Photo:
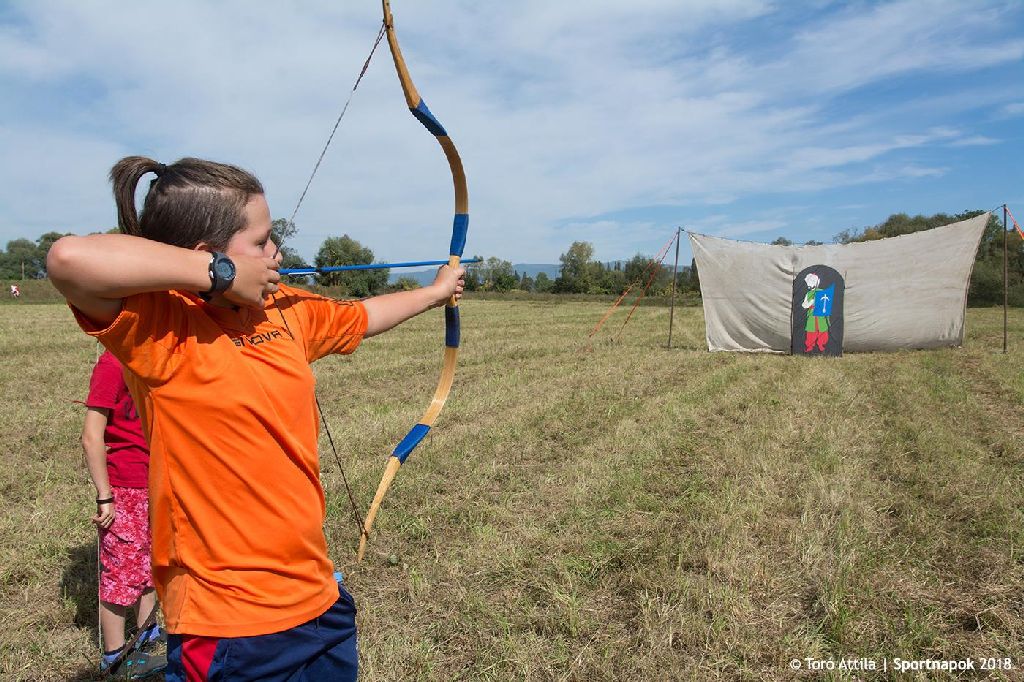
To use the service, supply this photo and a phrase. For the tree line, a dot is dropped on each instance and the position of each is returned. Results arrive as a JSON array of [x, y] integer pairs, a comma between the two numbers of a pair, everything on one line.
[[579, 272], [26, 259], [986, 286]]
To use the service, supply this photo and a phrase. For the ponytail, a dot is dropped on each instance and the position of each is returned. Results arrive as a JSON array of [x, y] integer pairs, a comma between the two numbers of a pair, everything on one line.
[[125, 176]]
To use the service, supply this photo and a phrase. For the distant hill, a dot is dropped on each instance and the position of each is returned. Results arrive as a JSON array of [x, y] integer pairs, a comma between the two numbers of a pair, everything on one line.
[[424, 277], [534, 269], [552, 270]]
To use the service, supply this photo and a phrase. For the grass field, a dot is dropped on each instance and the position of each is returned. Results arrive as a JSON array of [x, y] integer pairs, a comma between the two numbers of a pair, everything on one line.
[[605, 511]]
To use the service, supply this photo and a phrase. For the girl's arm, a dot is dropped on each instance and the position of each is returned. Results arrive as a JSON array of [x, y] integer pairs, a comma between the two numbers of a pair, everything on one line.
[[96, 272], [389, 310], [95, 450]]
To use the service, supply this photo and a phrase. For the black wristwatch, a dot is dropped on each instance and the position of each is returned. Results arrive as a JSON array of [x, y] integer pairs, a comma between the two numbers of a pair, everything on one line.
[[222, 274]]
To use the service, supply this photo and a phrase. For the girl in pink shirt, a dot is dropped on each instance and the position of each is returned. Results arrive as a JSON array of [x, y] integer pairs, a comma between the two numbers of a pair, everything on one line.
[[118, 460]]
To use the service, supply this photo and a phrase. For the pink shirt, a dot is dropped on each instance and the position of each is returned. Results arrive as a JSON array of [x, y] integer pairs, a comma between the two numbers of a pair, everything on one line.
[[127, 452]]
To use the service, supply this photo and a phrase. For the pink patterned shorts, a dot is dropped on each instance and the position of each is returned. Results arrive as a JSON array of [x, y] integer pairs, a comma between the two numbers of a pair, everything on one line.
[[125, 549]]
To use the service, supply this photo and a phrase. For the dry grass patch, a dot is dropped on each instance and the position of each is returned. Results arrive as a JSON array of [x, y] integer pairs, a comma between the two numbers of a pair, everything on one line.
[[605, 510]]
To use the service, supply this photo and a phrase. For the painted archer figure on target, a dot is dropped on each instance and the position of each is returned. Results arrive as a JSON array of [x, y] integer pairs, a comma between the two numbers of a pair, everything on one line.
[[818, 304], [817, 317]]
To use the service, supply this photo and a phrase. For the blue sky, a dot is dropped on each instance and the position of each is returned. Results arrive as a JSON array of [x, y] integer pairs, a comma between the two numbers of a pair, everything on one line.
[[605, 121]]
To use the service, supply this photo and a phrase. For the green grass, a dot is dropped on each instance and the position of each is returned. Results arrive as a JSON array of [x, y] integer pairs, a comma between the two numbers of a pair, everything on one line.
[[591, 511]]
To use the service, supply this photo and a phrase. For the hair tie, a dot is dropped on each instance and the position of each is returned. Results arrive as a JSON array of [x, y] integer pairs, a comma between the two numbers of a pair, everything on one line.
[[160, 169]]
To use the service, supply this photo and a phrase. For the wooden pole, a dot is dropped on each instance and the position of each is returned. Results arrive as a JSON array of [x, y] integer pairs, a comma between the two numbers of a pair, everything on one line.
[[675, 273], [1006, 279]]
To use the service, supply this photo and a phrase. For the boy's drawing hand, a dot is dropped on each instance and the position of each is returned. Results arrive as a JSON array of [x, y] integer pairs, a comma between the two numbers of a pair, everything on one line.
[[256, 278]]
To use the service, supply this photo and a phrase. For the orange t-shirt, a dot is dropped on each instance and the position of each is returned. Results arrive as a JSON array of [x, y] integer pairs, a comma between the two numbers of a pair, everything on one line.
[[227, 402]]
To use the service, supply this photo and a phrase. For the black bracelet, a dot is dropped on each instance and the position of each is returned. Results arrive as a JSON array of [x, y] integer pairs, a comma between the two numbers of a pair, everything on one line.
[[106, 501]]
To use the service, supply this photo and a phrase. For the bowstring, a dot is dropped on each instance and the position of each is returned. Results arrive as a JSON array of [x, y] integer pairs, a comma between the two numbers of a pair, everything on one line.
[[323, 419], [323, 152]]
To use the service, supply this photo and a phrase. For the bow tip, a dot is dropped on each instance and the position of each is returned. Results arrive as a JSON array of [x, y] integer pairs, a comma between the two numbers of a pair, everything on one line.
[[362, 549]]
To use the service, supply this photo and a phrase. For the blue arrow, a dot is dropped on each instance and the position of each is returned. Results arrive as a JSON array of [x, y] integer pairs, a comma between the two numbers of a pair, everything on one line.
[[369, 266]]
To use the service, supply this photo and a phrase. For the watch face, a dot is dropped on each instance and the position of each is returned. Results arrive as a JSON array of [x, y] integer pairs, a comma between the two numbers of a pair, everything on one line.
[[225, 269]]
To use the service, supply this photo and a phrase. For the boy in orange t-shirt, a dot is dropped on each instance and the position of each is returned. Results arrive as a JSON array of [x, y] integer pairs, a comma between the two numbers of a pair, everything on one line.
[[218, 355]]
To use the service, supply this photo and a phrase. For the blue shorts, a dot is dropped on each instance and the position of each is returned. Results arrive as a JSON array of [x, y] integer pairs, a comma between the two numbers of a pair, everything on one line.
[[321, 649]]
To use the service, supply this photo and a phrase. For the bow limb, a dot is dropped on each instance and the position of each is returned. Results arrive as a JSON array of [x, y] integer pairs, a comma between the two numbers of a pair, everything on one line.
[[460, 226]]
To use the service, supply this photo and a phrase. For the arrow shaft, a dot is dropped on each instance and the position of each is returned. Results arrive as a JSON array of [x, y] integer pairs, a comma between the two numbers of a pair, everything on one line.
[[368, 266]]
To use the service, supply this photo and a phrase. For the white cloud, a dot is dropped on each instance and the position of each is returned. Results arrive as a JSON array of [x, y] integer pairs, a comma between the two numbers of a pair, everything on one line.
[[735, 229], [974, 141], [565, 114], [46, 178], [1012, 109]]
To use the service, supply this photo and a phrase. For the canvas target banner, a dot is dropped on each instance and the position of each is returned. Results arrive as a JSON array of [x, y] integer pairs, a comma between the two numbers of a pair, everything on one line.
[[903, 292]]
